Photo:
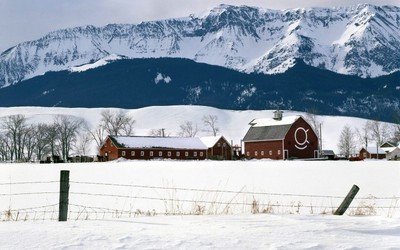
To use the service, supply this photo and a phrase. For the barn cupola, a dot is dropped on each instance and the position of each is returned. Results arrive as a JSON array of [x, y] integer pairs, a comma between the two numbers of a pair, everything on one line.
[[278, 115]]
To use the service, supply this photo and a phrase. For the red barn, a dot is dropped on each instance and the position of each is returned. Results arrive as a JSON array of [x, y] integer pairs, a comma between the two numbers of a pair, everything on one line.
[[150, 147], [281, 138], [218, 147]]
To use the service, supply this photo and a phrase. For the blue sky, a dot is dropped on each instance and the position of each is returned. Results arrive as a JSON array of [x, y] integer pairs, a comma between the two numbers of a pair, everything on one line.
[[22, 20]]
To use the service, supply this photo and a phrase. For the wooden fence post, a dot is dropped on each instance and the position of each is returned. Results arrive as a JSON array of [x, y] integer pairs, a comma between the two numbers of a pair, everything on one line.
[[347, 201], [64, 191]]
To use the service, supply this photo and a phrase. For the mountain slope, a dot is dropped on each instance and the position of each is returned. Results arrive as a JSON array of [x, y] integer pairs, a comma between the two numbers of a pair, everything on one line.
[[135, 83], [362, 40]]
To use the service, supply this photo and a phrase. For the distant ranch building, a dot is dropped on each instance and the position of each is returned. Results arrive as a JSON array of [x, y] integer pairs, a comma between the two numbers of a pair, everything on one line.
[[148, 147], [372, 153], [218, 147], [280, 137]]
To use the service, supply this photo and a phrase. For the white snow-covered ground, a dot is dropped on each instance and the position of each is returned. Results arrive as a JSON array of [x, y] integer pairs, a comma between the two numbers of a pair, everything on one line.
[[232, 124], [206, 232], [114, 216]]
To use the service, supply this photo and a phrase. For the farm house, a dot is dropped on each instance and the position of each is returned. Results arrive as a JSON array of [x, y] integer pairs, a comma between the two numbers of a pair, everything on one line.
[[281, 138], [218, 147], [372, 153], [150, 147]]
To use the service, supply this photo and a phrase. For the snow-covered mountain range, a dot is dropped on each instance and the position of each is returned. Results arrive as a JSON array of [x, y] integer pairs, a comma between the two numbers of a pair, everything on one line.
[[361, 40]]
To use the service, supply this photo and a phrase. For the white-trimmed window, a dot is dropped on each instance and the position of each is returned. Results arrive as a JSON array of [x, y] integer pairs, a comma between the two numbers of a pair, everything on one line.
[[141, 153], [262, 152], [123, 153], [248, 153], [178, 154], [151, 153], [195, 154], [160, 153], [270, 152], [219, 144], [255, 153], [186, 154], [201, 154], [279, 152], [169, 154], [224, 144], [132, 153]]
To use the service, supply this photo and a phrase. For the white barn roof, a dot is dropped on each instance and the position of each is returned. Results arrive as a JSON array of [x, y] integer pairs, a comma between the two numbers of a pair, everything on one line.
[[159, 142], [210, 141], [266, 122], [373, 150]]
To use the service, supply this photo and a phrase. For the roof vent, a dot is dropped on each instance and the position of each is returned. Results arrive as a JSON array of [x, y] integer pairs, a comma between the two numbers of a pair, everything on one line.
[[278, 115]]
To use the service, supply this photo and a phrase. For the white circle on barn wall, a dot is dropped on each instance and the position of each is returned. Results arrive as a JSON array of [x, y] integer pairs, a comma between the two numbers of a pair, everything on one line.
[[301, 145]]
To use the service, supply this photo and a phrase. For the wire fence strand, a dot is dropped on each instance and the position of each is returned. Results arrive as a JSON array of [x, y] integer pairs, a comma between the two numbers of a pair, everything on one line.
[[230, 191]]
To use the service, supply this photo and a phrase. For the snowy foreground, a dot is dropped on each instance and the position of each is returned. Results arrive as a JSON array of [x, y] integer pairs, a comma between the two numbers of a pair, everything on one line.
[[130, 205], [206, 232]]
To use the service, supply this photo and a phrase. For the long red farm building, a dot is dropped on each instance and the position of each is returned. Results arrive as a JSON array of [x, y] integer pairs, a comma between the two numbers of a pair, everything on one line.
[[281, 137], [151, 147]]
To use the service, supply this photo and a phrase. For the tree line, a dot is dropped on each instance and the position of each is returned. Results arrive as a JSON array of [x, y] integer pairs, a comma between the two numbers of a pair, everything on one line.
[[372, 134], [24, 141]]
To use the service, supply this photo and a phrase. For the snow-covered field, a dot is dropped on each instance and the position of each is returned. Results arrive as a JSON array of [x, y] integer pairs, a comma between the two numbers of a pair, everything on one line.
[[206, 232], [233, 124], [98, 221]]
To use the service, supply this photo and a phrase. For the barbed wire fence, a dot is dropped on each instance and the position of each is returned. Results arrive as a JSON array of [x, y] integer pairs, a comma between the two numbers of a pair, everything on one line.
[[210, 201]]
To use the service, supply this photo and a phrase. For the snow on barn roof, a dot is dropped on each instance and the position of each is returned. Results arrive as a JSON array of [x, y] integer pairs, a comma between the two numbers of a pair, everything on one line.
[[210, 141], [265, 122], [158, 142], [373, 150], [269, 128]]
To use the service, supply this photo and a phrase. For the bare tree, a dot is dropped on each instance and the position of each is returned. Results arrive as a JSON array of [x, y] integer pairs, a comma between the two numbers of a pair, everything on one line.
[[188, 129], [346, 143], [30, 142], [117, 123], [68, 129], [379, 131], [159, 132], [15, 128], [363, 135], [98, 135], [83, 143], [42, 140], [396, 129], [313, 120], [53, 139], [210, 121], [5, 147]]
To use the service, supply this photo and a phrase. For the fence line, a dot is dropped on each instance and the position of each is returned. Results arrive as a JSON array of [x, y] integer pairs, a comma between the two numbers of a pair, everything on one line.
[[229, 191], [27, 182], [29, 193], [230, 203], [186, 189]]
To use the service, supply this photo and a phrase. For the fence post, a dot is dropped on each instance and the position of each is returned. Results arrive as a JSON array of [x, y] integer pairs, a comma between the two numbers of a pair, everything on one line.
[[347, 201], [64, 191]]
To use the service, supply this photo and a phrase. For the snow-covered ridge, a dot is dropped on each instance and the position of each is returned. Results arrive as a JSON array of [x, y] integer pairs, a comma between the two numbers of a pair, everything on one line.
[[96, 64], [361, 40]]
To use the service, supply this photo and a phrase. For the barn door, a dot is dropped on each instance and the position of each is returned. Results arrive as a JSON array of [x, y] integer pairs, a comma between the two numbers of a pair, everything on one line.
[[286, 154]]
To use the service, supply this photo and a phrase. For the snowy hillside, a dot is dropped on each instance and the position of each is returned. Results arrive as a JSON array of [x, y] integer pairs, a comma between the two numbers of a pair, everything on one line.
[[233, 124], [361, 40]]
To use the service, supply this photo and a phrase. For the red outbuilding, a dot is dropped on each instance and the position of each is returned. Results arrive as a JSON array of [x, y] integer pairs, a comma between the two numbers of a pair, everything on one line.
[[281, 137], [150, 147]]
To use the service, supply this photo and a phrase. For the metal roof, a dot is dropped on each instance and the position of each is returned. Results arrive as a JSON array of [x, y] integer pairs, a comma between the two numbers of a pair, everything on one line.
[[267, 133], [158, 142]]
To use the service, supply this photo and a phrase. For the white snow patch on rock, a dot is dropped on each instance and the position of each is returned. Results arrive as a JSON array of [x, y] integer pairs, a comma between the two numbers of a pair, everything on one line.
[[96, 64]]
